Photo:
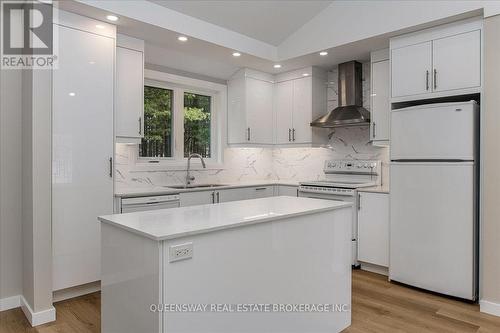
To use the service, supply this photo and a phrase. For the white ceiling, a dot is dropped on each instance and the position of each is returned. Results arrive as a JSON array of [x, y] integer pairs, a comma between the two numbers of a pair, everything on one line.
[[268, 21]]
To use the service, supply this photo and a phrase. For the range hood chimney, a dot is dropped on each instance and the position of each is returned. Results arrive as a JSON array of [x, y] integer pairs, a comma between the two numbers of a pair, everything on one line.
[[350, 111]]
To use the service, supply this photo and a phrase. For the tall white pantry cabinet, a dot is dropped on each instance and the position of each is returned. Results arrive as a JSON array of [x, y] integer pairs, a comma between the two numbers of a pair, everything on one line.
[[82, 111]]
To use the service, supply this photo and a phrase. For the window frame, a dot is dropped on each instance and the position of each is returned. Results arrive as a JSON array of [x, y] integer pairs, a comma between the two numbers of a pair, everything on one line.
[[218, 104]]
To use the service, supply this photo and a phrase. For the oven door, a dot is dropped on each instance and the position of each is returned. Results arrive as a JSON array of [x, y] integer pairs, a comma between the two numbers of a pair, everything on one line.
[[347, 198]]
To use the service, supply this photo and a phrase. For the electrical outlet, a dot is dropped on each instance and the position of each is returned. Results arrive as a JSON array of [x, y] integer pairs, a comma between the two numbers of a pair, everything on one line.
[[180, 252]]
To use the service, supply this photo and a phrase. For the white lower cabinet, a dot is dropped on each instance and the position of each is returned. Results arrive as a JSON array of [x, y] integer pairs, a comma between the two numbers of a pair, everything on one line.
[[196, 198], [225, 195], [373, 229], [291, 191]]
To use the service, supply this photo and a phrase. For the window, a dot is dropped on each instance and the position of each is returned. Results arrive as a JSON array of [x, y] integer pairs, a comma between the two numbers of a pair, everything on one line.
[[179, 120], [157, 141], [197, 124]]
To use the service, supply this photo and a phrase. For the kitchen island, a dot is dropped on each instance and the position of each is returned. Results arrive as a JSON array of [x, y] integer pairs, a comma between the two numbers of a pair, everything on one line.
[[278, 264]]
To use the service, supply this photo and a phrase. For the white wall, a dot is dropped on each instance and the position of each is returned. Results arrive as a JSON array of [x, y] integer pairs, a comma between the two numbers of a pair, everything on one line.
[[490, 275], [36, 189], [11, 250]]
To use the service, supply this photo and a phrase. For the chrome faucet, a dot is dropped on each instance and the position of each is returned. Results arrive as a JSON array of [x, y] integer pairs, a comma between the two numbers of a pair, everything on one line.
[[190, 178]]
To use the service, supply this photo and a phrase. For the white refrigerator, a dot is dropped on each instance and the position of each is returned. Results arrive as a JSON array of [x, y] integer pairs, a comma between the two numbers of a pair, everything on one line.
[[434, 199]]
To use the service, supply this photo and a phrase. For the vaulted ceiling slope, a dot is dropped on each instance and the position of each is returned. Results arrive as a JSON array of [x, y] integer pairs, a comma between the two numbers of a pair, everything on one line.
[[268, 21]]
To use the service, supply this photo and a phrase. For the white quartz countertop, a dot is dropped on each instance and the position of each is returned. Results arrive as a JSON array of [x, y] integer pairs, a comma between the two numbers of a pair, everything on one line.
[[187, 221], [125, 192]]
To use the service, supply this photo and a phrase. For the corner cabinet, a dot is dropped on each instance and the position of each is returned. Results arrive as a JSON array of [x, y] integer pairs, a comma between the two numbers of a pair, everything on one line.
[[437, 62], [129, 96], [250, 107], [373, 231], [299, 98], [380, 98]]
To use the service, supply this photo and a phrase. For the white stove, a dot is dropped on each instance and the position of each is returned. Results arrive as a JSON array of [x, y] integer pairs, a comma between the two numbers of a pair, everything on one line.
[[342, 178]]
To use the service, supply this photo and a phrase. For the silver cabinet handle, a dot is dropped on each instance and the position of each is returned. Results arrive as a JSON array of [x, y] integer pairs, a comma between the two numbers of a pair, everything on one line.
[[111, 167], [260, 188], [248, 134], [289, 134], [213, 197], [374, 130], [140, 125], [359, 201], [218, 198], [426, 80], [435, 78], [293, 134]]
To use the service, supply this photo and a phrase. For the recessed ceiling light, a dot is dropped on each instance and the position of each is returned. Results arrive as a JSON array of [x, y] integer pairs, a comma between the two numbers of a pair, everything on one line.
[[236, 54], [72, 94], [305, 74], [92, 62], [182, 38], [277, 66], [99, 26], [112, 18], [323, 53]]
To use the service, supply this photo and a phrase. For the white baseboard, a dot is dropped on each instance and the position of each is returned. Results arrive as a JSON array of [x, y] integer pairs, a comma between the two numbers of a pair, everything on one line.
[[10, 303], [489, 307], [375, 268], [40, 317]]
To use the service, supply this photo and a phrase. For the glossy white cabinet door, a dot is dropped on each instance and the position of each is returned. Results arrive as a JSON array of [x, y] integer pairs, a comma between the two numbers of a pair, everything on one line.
[[411, 68], [262, 192], [236, 116], [457, 61], [259, 110], [381, 106], [373, 228], [283, 108], [82, 188], [243, 193], [129, 110], [302, 110], [196, 198], [290, 191]]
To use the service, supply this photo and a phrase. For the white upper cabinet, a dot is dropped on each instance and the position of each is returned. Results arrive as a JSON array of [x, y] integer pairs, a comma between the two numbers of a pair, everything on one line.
[[302, 110], [380, 97], [299, 98], [437, 62], [411, 70], [457, 61], [250, 108], [129, 96], [283, 106]]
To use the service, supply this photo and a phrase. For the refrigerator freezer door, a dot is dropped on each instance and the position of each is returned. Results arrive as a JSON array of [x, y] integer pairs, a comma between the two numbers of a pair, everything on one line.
[[434, 132], [433, 227]]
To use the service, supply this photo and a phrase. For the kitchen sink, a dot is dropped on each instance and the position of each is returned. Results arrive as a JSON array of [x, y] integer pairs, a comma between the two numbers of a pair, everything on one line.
[[195, 186]]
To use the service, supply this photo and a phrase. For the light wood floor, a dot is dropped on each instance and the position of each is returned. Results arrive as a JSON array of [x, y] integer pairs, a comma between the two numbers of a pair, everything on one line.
[[378, 306]]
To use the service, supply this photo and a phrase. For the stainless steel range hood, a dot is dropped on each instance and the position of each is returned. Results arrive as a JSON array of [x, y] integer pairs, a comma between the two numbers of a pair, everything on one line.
[[350, 111]]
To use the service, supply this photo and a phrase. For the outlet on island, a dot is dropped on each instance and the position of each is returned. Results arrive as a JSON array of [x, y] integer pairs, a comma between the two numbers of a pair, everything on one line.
[[181, 252]]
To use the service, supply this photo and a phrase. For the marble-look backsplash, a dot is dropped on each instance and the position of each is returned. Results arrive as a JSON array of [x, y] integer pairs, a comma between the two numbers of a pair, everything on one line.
[[250, 164]]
